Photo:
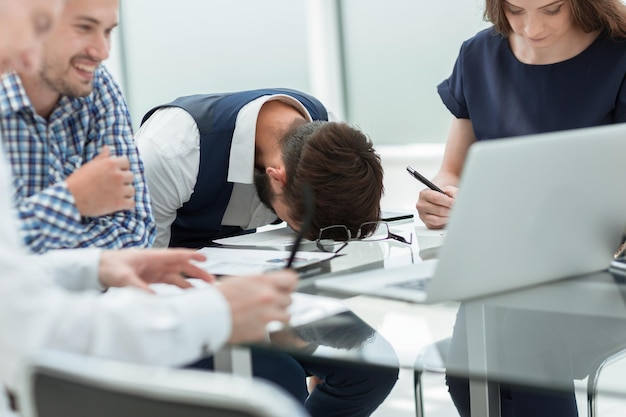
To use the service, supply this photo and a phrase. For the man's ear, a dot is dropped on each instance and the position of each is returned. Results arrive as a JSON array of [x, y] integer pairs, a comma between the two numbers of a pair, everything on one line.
[[277, 175]]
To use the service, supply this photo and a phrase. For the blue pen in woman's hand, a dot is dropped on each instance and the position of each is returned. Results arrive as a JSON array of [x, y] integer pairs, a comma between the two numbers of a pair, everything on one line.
[[424, 180]]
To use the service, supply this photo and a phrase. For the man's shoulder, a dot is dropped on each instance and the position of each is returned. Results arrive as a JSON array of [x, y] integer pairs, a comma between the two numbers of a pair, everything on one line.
[[106, 95], [103, 75], [105, 86]]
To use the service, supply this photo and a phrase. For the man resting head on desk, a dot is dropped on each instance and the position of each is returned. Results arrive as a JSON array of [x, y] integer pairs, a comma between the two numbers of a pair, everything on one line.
[[220, 164]]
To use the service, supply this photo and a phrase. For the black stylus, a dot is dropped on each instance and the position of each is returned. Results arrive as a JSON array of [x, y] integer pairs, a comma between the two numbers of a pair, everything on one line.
[[309, 208], [424, 180]]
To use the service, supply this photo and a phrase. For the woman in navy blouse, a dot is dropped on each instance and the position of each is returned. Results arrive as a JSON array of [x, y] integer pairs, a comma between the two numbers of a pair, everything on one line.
[[543, 66]]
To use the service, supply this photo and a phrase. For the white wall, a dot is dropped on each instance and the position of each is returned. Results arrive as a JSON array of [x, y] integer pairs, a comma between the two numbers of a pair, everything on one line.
[[401, 190], [395, 53], [391, 57], [182, 47]]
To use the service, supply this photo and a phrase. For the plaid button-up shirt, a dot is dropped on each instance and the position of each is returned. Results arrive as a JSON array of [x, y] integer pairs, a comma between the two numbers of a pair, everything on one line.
[[43, 153]]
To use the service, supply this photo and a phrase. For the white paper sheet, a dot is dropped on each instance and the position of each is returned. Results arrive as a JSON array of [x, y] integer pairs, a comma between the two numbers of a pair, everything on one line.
[[280, 239], [224, 261]]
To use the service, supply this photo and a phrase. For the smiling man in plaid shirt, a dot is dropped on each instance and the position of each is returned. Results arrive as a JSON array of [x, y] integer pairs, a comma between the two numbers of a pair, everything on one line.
[[66, 130]]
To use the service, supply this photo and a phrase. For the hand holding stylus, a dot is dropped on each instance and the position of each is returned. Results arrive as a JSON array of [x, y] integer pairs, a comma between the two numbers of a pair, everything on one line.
[[424, 180], [434, 203]]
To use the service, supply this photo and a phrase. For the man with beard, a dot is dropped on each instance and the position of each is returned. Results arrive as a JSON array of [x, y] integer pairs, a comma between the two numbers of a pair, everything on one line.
[[221, 164], [67, 132]]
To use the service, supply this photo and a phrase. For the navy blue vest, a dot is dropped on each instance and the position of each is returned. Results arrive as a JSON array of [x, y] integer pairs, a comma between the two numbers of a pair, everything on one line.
[[198, 221]]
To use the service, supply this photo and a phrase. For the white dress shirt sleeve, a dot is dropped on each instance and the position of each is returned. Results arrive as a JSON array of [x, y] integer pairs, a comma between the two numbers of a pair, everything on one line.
[[169, 145], [72, 269], [37, 313]]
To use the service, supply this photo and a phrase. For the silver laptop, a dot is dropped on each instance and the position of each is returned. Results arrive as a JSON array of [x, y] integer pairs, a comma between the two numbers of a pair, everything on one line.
[[530, 210]]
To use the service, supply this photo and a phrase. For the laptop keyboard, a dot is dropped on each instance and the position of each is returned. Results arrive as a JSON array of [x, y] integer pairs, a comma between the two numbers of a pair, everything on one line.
[[419, 284]]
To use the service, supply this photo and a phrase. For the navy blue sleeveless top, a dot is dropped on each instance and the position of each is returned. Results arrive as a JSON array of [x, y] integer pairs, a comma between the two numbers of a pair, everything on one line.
[[504, 97]]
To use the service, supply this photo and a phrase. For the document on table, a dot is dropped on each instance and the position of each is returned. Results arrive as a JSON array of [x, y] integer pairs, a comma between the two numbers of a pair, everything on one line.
[[281, 239], [224, 261]]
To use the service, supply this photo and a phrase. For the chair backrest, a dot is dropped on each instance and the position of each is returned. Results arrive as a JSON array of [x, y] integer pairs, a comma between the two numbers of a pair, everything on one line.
[[433, 358], [62, 385]]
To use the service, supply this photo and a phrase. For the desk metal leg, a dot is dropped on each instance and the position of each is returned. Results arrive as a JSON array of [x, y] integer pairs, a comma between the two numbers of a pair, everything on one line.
[[483, 402], [234, 359], [484, 395]]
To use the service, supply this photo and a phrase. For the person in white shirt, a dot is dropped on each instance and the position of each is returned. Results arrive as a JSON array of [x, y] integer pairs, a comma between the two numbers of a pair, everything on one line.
[[222, 164], [55, 301]]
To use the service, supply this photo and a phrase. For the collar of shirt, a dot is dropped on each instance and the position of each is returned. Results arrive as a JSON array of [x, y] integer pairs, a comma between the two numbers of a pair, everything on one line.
[[241, 163], [15, 99]]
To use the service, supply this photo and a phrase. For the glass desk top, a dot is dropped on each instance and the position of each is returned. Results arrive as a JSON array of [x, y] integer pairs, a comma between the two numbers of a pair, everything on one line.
[[542, 337]]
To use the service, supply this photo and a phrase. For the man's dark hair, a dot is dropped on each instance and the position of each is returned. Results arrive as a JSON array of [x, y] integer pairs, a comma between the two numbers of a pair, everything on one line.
[[340, 164]]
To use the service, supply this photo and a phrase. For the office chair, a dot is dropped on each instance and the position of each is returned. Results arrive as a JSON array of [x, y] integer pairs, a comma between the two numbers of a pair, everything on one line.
[[58, 384], [594, 376], [431, 358]]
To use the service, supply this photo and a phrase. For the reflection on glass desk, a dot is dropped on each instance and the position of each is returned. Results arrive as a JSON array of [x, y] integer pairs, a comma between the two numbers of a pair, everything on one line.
[[341, 337], [345, 336], [542, 337], [539, 339], [368, 255], [355, 256]]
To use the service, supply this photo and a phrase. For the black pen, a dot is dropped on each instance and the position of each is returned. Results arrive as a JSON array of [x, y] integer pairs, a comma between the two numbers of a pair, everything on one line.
[[424, 180], [309, 209]]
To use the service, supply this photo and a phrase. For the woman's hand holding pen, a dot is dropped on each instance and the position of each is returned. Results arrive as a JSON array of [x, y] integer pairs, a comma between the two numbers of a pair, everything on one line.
[[434, 207], [434, 202]]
